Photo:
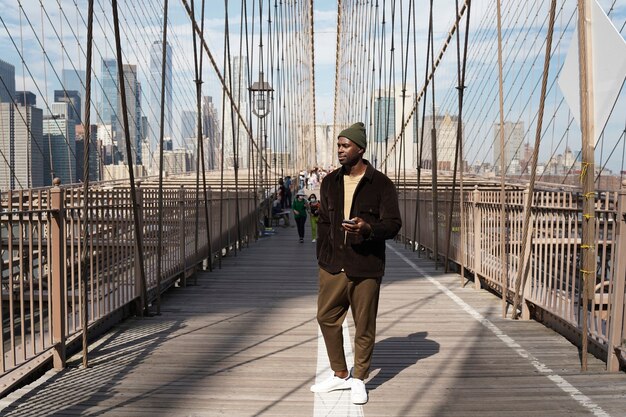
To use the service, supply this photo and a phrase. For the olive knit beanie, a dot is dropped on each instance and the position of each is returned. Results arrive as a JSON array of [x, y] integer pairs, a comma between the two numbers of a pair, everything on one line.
[[356, 133]]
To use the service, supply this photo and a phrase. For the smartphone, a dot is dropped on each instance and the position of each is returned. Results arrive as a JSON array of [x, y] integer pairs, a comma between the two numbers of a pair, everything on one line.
[[348, 221]]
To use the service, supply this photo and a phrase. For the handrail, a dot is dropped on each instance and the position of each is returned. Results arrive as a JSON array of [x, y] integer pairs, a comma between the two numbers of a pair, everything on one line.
[[41, 293], [553, 285]]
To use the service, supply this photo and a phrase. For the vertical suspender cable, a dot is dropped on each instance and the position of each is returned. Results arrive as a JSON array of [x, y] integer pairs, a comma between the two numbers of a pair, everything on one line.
[[389, 73], [462, 135], [246, 75], [201, 160], [161, 134], [133, 192], [262, 126], [251, 177], [270, 64], [87, 142], [225, 61], [503, 267], [415, 135], [198, 127], [405, 66], [337, 68], [381, 52], [315, 160], [522, 266], [45, 76], [436, 64], [421, 140], [369, 80], [459, 138], [226, 91], [433, 148], [234, 126]]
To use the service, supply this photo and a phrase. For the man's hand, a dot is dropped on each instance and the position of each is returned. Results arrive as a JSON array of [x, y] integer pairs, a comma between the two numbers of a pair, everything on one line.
[[360, 227]]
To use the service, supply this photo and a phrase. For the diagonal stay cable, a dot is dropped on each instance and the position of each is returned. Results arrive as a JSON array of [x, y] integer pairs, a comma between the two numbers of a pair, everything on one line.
[[430, 77], [223, 82]]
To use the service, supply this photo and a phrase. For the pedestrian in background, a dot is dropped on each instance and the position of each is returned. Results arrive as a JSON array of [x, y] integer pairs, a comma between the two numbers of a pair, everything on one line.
[[299, 208], [314, 207]]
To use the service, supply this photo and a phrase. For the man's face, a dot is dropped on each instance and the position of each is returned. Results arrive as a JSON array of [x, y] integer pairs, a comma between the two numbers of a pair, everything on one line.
[[348, 152]]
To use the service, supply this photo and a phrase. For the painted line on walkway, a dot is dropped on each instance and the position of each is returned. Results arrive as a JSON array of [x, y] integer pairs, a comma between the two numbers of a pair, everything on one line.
[[336, 403], [560, 382]]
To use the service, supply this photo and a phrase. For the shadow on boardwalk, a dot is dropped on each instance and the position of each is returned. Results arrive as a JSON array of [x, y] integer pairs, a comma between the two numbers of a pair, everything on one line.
[[72, 391], [244, 342], [394, 354]]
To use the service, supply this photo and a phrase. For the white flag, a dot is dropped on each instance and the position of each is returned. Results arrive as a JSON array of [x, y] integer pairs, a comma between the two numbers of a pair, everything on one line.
[[609, 69]]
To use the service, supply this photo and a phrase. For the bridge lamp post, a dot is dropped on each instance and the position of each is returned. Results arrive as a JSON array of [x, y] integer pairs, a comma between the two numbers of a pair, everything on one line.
[[261, 95]]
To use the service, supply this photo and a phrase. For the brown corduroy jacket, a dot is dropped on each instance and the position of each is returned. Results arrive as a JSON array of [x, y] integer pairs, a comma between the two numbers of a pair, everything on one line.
[[375, 201]]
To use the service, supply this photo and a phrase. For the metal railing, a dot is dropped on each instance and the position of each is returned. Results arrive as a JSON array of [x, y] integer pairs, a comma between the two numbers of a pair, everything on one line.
[[554, 278], [42, 292]]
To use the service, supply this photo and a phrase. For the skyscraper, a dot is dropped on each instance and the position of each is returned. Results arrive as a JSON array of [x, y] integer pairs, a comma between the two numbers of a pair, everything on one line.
[[189, 129], [234, 132], [25, 98], [446, 127], [154, 112], [108, 99], [384, 117], [22, 147], [131, 88], [74, 80], [211, 128], [513, 139], [139, 135], [71, 97], [390, 110], [59, 134], [7, 82]]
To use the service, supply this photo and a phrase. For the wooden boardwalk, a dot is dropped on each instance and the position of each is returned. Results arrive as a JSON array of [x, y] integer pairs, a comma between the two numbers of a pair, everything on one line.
[[244, 342]]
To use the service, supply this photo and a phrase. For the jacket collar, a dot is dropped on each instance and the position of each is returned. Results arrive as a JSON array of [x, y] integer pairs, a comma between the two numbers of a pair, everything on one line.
[[369, 171]]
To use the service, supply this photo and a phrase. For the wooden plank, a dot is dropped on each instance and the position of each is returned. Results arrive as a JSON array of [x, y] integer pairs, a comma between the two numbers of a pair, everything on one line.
[[243, 342]]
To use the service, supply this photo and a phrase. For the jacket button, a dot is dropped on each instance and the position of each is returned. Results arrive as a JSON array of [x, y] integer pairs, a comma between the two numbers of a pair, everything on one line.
[[340, 246]]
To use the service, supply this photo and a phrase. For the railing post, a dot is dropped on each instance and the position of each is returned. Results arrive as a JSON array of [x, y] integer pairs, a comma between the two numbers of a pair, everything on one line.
[[57, 245], [210, 226], [181, 226], [477, 239], [523, 263], [139, 293], [616, 317]]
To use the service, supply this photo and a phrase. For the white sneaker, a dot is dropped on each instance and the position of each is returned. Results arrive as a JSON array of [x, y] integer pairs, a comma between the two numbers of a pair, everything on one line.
[[332, 384], [358, 393], [313, 240]]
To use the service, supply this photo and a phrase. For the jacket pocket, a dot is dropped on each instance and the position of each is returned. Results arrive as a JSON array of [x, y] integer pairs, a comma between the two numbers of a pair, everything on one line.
[[324, 254], [370, 213]]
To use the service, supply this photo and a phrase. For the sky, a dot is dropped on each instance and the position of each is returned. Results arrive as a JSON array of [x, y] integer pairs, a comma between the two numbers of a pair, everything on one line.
[[36, 28]]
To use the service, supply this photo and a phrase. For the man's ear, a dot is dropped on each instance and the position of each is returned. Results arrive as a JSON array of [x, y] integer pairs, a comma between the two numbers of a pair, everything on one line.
[[361, 150]]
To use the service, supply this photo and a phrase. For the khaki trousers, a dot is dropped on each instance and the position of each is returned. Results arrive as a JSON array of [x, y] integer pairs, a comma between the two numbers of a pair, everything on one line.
[[337, 293]]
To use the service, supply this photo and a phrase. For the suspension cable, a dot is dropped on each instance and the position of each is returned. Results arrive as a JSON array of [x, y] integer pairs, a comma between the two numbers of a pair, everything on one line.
[[131, 174], [86, 237], [429, 78]]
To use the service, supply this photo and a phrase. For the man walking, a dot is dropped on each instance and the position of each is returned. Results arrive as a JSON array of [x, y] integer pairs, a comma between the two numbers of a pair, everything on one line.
[[358, 212]]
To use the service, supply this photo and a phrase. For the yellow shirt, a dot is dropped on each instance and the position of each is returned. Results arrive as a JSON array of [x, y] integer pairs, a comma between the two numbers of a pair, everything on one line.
[[349, 185]]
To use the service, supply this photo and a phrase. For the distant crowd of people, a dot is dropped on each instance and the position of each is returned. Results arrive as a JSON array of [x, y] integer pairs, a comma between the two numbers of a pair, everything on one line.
[[302, 207]]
